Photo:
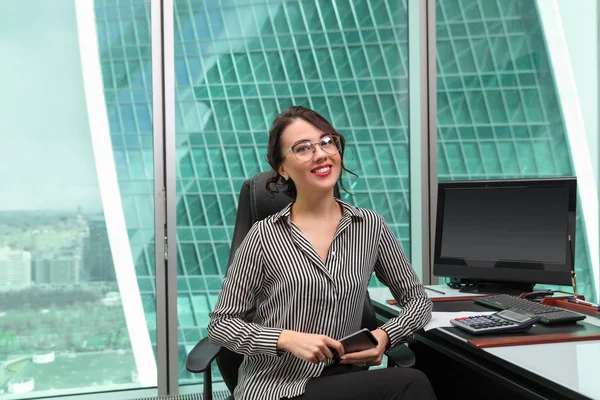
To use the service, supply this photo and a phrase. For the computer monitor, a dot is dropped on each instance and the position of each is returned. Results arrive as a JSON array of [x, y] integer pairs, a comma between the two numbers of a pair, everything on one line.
[[505, 236]]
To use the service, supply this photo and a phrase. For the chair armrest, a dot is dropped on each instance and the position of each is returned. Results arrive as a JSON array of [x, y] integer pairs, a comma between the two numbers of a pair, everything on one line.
[[401, 356], [203, 353]]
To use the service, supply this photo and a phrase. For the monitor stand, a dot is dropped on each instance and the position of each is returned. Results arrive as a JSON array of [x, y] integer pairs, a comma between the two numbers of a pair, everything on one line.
[[512, 288]]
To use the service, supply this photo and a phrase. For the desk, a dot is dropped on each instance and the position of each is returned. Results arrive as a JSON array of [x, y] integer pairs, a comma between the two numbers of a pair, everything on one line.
[[544, 371]]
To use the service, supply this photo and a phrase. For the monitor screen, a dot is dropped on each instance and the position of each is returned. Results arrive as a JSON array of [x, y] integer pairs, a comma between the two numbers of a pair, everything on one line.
[[513, 230]]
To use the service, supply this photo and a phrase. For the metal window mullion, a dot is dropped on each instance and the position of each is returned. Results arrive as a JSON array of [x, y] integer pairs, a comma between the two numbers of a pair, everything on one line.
[[171, 176], [159, 193], [432, 128], [163, 126], [423, 135]]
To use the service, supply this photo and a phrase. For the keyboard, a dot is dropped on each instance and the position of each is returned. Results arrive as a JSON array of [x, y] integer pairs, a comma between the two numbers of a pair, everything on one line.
[[548, 315]]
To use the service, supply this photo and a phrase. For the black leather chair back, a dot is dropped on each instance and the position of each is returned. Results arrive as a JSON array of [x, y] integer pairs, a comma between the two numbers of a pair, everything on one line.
[[255, 204]]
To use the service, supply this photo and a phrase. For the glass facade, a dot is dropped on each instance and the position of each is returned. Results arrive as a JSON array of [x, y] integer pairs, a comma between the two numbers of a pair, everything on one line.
[[123, 31], [499, 113]]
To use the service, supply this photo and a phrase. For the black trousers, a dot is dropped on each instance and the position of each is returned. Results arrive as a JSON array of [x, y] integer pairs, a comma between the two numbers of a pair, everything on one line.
[[349, 382]]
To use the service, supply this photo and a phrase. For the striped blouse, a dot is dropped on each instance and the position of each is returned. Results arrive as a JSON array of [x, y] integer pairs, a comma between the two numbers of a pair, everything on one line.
[[278, 273]]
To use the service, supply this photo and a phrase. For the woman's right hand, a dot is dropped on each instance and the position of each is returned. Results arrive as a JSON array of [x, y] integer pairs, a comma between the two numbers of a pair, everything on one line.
[[309, 347]]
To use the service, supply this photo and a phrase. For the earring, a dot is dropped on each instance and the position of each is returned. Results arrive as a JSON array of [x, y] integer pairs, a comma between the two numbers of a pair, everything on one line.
[[285, 178]]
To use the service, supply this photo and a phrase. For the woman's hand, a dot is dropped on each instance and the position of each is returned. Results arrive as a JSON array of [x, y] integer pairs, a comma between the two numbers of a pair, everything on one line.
[[309, 347], [370, 356]]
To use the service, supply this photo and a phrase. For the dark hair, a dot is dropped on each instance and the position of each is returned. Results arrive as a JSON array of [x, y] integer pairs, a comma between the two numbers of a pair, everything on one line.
[[274, 152]]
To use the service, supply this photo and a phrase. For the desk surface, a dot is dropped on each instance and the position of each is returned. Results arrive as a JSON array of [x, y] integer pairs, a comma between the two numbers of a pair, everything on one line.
[[573, 365]]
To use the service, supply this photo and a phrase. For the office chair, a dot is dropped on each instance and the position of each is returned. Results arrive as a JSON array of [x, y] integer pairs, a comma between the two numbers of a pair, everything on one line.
[[254, 205]]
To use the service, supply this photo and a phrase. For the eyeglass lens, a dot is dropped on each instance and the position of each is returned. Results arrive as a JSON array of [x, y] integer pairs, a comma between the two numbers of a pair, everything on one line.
[[304, 151]]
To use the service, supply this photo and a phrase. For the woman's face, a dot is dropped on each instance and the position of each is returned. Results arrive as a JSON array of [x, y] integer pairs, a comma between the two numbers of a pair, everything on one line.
[[318, 171]]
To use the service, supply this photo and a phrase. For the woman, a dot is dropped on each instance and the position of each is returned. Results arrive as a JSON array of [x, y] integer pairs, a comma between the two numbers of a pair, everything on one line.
[[305, 271]]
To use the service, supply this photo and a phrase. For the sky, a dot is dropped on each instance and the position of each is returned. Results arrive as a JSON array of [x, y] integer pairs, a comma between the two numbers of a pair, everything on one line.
[[45, 145]]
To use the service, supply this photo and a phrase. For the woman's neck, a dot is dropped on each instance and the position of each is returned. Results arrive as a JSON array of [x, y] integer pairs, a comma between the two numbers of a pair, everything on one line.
[[315, 206]]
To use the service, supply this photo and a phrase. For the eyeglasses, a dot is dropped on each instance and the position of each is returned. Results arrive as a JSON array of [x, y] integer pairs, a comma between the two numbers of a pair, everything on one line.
[[304, 151]]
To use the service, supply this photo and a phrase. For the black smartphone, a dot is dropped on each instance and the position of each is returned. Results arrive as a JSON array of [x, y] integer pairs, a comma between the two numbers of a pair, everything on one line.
[[359, 341]]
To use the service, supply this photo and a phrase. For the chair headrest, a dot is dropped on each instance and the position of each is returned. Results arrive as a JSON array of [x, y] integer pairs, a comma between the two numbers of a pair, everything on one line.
[[263, 204]]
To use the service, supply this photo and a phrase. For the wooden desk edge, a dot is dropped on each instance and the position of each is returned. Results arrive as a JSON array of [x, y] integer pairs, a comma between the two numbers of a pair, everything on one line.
[[536, 339]]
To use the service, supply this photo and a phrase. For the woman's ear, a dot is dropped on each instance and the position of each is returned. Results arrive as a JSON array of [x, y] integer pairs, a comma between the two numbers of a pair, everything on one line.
[[282, 172]]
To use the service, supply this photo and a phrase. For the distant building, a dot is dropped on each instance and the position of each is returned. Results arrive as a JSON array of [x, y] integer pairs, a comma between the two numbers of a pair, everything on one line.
[[58, 268], [97, 257], [15, 269], [40, 270]]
